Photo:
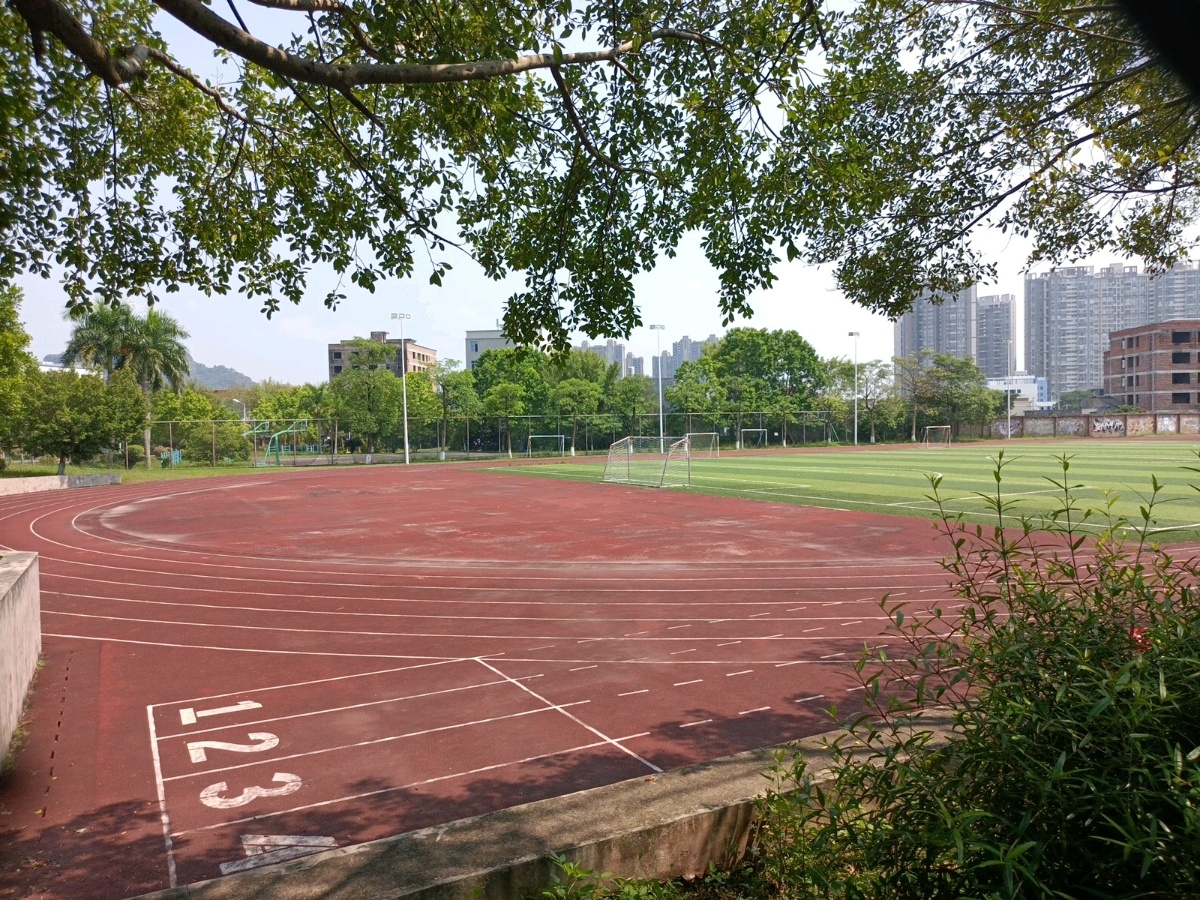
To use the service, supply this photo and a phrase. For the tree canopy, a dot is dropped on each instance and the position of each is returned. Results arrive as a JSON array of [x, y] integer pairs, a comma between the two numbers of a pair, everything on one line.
[[577, 143]]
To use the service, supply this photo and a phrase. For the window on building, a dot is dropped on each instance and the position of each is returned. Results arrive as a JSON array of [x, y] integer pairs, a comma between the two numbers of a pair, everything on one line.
[[337, 370], [337, 354], [1181, 378], [1181, 337], [1181, 398], [1129, 400], [474, 348], [1181, 356]]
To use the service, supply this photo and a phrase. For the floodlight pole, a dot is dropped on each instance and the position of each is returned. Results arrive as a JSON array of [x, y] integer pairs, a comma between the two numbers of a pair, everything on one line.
[[657, 329], [402, 317], [1008, 392], [242, 405], [854, 334]]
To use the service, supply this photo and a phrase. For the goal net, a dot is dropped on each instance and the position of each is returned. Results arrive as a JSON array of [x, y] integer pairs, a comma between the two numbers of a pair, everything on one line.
[[936, 436], [544, 444], [649, 461], [704, 444], [752, 437]]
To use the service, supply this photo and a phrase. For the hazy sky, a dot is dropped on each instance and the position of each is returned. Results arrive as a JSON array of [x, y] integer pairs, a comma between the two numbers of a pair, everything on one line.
[[680, 294]]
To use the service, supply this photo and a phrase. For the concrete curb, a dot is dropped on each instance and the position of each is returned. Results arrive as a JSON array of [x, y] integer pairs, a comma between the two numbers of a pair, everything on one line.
[[660, 826], [12, 486], [20, 638]]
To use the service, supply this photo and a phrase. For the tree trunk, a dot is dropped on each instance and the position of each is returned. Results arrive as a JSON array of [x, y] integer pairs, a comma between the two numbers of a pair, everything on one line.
[[914, 424], [509, 433], [146, 446], [62, 464]]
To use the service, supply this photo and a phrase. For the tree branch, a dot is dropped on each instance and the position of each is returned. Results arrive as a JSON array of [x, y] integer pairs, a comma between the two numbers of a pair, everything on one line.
[[304, 5]]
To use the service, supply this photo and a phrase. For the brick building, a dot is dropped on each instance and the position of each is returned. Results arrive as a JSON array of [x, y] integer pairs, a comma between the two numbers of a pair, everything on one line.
[[415, 359], [1156, 367]]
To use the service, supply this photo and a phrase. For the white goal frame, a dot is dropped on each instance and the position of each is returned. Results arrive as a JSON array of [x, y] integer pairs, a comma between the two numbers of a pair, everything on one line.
[[742, 437], [704, 444], [561, 438], [638, 460], [936, 437]]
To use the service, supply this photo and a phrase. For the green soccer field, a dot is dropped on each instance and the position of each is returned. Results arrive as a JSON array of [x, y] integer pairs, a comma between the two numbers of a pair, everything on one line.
[[897, 480]]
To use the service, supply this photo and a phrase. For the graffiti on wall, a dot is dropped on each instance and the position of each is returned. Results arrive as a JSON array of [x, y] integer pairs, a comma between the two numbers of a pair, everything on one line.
[[1108, 425], [1167, 424]]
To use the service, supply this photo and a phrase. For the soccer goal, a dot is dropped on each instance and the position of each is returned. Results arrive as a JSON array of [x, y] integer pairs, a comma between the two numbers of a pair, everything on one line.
[[936, 437], [752, 437], [704, 444], [544, 444], [639, 460]]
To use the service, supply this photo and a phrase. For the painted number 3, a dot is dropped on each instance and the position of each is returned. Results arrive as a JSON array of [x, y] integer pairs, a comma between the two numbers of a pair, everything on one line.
[[211, 795]]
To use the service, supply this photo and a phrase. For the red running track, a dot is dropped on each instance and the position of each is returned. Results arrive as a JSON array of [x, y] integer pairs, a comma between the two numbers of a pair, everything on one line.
[[345, 655]]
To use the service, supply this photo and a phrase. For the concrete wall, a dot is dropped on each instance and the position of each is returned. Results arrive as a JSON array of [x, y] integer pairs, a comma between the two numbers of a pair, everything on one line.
[[10, 486], [20, 638]]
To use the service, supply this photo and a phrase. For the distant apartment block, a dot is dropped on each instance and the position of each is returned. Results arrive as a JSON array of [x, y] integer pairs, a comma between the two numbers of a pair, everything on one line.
[[412, 358], [995, 334], [682, 350], [614, 352], [946, 328], [1156, 367], [479, 342], [1071, 312]]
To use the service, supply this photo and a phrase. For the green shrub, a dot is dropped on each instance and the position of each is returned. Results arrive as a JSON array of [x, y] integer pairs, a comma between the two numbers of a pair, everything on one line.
[[1072, 676]]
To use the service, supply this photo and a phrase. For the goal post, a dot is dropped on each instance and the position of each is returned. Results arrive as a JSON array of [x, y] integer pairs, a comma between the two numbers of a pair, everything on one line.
[[936, 437], [639, 460], [752, 437], [704, 444], [539, 444]]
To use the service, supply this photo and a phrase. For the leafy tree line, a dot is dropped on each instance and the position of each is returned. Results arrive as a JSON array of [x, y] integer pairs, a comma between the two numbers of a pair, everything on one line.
[[578, 143]]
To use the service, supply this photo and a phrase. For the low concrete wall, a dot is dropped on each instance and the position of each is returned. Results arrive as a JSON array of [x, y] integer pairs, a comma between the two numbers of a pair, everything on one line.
[[10, 486], [20, 638], [658, 826]]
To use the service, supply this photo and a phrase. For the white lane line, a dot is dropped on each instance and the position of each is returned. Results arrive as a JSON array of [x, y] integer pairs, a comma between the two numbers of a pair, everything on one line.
[[832, 655], [682, 683], [573, 718], [818, 628], [337, 709], [433, 660], [581, 668], [544, 647], [862, 687], [771, 637], [409, 786], [677, 652], [795, 662], [636, 633], [372, 742], [758, 615], [746, 712], [855, 622], [797, 609], [690, 724], [813, 697], [588, 640], [673, 627], [631, 693], [743, 672], [164, 818], [728, 643]]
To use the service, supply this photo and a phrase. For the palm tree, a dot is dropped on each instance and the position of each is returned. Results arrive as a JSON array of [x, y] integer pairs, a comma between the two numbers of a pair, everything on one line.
[[99, 339], [151, 346]]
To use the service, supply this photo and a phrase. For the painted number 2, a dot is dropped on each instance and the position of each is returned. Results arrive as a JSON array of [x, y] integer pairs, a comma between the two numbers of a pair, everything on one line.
[[266, 741], [211, 795]]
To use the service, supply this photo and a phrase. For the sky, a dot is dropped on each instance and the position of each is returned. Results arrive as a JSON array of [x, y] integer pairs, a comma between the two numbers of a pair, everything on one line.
[[681, 294]]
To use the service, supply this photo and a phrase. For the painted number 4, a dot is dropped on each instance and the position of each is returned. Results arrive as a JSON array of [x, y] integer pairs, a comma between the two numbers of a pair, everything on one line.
[[211, 795]]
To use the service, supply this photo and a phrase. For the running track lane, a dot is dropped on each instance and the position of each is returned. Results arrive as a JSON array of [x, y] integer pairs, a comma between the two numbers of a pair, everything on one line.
[[349, 654]]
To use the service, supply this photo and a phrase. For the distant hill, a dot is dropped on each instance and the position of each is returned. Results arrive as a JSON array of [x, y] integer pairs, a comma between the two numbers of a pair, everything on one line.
[[215, 378]]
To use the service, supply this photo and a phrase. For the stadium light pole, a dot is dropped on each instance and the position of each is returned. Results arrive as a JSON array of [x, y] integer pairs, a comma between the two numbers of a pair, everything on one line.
[[242, 405], [1008, 392], [854, 334], [402, 318], [658, 329]]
